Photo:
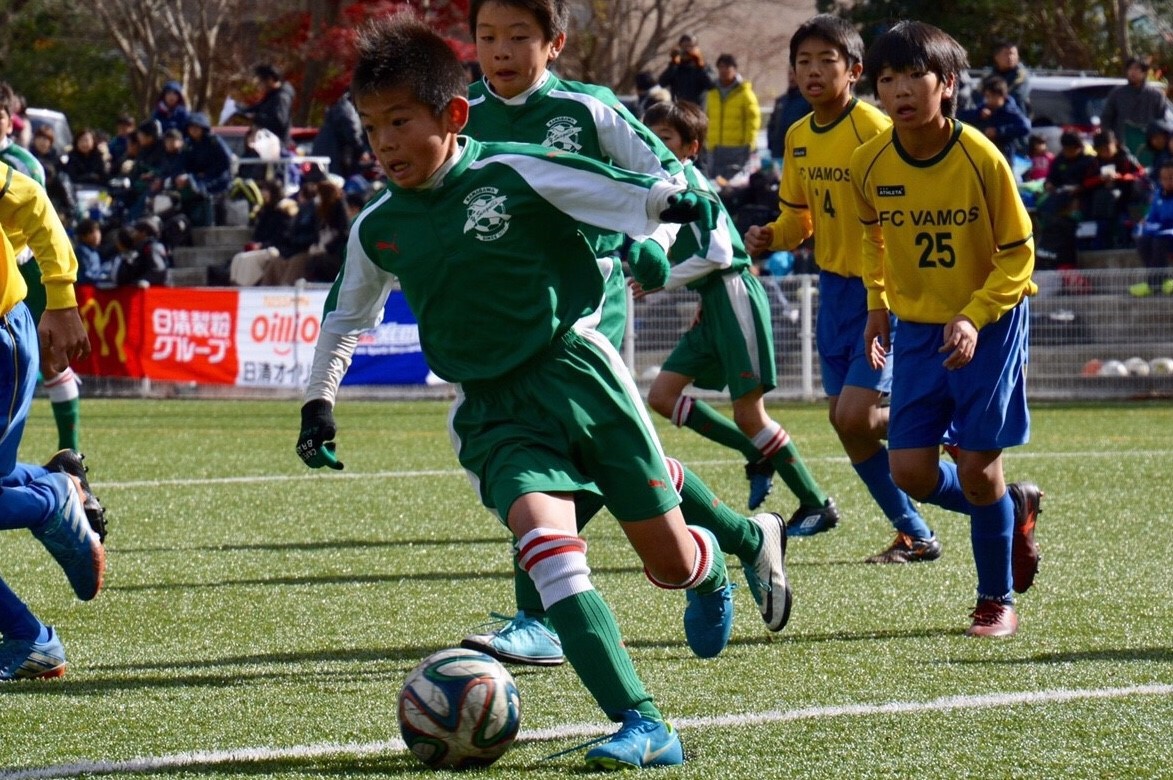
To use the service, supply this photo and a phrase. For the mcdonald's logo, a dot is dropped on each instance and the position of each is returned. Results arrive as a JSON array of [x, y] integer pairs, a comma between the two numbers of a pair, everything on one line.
[[100, 327]]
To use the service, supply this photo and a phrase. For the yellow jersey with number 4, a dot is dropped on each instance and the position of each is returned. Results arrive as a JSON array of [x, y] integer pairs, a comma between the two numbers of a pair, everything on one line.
[[945, 236], [815, 194]]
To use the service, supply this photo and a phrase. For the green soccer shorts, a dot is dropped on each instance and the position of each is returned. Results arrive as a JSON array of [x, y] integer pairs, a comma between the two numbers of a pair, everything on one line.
[[568, 421]]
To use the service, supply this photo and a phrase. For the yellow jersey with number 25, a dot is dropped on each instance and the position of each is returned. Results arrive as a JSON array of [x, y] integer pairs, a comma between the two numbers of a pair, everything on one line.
[[944, 236]]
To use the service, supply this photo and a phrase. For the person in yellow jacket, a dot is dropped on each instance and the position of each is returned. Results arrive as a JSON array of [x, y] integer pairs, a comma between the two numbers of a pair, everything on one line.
[[734, 120], [52, 501]]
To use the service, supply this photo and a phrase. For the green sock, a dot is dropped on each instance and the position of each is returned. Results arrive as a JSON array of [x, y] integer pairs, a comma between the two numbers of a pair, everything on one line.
[[718, 576], [591, 641], [68, 417], [526, 593], [735, 533], [708, 422], [788, 463]]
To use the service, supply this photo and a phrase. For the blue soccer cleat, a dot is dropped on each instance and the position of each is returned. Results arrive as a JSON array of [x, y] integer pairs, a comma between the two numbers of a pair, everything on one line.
[[71, 541], [811, 520], [640, 742], [708, 620], [522, 640], [766, 574], [761, 481], [25, 659]]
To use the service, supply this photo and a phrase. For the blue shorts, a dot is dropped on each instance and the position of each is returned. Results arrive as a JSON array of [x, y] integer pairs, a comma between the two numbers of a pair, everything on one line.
[[843, 313], [19, 349], [981, 406]]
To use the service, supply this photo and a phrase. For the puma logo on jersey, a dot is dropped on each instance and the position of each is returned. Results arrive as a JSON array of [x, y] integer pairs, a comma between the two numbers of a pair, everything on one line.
[[392, 245]]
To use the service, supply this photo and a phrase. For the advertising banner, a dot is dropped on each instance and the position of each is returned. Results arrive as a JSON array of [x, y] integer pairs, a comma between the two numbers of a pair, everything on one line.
[[252, 337]]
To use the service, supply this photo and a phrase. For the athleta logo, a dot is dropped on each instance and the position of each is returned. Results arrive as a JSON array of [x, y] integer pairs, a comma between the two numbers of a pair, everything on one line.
[[800, 151], [486, 214], [562, 133], [890, 191]]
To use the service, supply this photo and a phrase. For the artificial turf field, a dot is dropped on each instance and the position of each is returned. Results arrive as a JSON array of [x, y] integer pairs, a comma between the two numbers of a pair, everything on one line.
[[259, 618]]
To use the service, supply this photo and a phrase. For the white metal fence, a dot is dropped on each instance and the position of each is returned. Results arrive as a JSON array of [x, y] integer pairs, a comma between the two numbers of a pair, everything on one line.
[[1090, 339]]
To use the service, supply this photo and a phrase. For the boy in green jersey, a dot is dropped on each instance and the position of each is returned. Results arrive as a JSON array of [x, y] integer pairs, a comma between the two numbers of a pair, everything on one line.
[[484, 241], [519, 99]]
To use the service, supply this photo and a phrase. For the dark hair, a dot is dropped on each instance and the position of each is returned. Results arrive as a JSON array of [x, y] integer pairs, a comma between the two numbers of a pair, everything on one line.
[[1144, 63], [551, 15], [45, 131], [1035, 140], [87, 226], [838, 32], [267, 71], [1166, 164], [274, 188], [1071, 138], [148, 226], [9, 102], [910, 45], [124, 238], [685, 117], [996, 85], [726, 59], [1002, 45], [1103, 138], [401, 51]]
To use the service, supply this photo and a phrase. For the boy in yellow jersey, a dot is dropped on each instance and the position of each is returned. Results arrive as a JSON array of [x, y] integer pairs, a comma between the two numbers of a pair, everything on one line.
[[949, 251], [51, 501], [826, 60]]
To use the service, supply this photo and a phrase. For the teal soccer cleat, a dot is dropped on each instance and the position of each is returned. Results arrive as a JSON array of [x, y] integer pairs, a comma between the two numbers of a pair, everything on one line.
[[522, 640], [639, 742], [71, 541], [708, 620], [25, 659]]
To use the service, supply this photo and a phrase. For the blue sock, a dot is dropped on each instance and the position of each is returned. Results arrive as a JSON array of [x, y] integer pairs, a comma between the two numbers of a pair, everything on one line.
[[948, 493], [894, 502], [16, 621], [990, 528]]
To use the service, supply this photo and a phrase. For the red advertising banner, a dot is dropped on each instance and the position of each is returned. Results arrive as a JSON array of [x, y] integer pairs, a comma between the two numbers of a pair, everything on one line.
[[161, 333], [254, 337]]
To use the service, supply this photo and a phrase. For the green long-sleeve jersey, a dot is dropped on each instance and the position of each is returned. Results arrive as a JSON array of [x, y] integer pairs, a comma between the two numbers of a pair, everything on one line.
[[573, 117], [489, 256]]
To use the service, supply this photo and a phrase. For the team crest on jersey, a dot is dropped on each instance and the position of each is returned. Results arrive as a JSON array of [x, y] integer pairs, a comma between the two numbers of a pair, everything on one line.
[[890, 190], [486, 214], [562, 133]]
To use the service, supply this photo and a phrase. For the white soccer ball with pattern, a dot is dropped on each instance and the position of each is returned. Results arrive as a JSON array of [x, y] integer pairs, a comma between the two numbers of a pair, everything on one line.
[[459, 709]]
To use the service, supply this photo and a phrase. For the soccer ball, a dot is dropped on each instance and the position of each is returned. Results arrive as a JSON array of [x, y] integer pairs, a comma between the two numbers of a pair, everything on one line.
[[459, 709], [1137, 366], [1113, 368], [1161, 366]]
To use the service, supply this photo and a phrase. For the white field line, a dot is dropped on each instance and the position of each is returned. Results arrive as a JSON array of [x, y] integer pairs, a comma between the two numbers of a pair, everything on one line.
[[455, 472], [208, 758]]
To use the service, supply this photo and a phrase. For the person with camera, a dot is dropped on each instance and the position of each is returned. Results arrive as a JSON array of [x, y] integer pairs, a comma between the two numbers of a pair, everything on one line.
[[687, 76]]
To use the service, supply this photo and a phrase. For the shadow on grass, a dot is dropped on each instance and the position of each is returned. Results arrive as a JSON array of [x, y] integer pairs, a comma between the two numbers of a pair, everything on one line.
[[341, 544], [345, 579], [1114, 655]]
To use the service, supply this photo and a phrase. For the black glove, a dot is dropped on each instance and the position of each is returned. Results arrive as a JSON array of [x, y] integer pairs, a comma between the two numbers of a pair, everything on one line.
[[693, 206], [315, 445]]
